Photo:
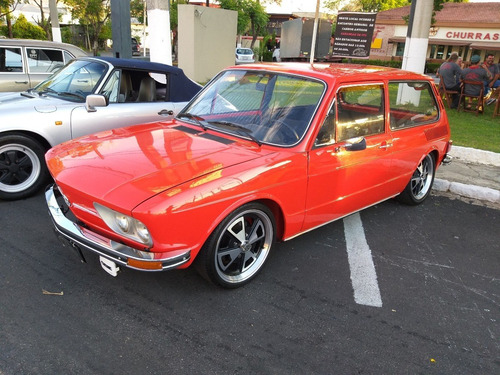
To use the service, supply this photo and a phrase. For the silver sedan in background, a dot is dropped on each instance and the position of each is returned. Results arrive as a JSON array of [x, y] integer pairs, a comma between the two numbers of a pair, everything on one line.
[[88, 95]]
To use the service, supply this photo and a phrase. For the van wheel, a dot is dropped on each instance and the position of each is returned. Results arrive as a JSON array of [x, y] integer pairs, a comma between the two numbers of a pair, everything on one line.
[[419, 187], [22, 167], [237, 249]]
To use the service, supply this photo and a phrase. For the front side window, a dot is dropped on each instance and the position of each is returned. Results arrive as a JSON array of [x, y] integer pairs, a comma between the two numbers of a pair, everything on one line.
[[411, 104], [11, 60], [264, 106], [360, 111], [44, 60]]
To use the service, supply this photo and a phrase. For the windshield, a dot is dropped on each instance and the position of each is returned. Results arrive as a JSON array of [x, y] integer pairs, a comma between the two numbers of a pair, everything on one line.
[[264, 106], [75, 81]]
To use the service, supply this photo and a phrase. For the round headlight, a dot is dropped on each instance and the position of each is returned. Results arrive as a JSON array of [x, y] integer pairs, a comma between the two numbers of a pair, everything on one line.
[[143, 233], [123, 223]]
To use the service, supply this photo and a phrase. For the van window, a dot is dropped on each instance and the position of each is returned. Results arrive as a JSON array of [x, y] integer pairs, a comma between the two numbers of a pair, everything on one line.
[[11, 60], [44, 60], [411, 104], [360, 111]]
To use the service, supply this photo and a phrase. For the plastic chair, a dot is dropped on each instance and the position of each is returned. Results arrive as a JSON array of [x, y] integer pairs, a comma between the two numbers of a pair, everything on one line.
[[471, 103]]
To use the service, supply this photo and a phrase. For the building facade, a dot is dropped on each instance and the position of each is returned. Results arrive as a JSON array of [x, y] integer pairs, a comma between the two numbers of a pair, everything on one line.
[[466, 28]]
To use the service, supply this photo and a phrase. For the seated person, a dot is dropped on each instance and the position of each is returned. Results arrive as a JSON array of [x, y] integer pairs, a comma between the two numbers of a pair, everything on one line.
[[494, 69], [449, 72], [475, 73]]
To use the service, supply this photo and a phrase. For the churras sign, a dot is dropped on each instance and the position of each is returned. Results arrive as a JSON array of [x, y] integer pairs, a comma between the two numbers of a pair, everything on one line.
[[353, 35]]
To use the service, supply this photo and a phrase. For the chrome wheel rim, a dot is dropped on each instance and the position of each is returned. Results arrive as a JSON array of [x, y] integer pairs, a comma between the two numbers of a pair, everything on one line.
[[421, 180], [243, 246], [19, 168]]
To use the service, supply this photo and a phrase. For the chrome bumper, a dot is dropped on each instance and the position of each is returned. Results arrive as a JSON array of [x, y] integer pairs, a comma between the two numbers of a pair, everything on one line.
[[81, 238]]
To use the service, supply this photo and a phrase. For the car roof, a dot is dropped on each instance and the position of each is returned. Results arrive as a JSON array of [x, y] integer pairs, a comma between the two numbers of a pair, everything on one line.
[[339, 72], [43, 43], [181, 88]]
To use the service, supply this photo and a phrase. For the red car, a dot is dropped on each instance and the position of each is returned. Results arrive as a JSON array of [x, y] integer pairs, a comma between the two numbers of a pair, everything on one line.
[[262, 153]]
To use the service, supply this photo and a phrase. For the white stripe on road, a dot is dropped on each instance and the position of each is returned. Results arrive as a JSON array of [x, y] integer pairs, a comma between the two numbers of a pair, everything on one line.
[[363, 275]]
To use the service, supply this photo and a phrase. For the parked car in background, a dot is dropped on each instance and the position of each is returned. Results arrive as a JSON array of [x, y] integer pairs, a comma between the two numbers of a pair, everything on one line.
[[244, 56], [263, 153], [88, 95], [136, 47], [24, 63]]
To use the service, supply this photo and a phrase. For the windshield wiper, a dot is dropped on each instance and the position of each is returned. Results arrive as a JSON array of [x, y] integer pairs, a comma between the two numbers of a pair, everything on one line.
[[67, 93], [239, 128], [28, 93], [200, 121], [47, 90]]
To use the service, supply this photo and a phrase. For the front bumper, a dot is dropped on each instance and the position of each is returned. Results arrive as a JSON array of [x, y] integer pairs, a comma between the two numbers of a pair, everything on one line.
[[80, 237]]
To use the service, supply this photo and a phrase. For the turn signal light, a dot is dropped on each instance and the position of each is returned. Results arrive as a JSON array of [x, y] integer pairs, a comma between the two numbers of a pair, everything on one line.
[[144, 264]]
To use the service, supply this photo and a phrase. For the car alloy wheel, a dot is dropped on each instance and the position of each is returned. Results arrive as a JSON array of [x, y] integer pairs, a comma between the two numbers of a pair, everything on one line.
[[420, 184], [238, 247], [22, 167]]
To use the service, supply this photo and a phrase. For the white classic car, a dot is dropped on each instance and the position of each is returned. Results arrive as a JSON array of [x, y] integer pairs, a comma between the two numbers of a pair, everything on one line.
[[88, 95]]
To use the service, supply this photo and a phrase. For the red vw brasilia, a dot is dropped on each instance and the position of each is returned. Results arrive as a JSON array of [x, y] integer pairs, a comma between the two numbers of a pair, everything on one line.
[[263, 153]]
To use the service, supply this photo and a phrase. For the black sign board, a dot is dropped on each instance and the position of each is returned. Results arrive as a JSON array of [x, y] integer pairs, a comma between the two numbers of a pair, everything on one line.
[[353, 35]]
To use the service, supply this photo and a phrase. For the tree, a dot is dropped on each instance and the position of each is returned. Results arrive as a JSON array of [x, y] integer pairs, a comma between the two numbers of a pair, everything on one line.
[[43, 22], [252, 16], [23, 29], [92, 16], [6, 9]]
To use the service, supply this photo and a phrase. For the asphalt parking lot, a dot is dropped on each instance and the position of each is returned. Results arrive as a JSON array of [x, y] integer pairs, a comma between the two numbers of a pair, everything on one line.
[[436, 268]]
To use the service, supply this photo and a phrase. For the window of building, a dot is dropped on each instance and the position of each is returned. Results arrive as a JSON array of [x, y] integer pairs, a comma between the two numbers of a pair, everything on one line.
[[440, 53], [400, 49]]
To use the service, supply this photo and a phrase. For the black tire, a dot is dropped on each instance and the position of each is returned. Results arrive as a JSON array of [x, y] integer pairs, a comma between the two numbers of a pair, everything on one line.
[[237, 249], [22, 167], [420, 185]]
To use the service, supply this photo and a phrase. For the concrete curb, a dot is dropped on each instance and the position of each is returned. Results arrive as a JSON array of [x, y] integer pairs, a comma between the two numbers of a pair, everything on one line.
[[468, 191], [471, 155]]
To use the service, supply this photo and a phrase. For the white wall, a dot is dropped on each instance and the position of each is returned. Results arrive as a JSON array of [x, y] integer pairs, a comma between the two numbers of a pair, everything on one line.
[[207, 40]]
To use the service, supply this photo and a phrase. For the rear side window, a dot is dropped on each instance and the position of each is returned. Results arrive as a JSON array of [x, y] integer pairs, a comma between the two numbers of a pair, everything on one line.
[[360, 111], [44, 60], [411, 104], [11, 60]]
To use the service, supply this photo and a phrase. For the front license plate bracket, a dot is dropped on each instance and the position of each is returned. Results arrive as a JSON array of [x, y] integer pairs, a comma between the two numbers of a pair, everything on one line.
[[109, 266]]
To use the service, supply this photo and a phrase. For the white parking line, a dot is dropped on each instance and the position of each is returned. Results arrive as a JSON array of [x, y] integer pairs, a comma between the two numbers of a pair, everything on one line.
[[363, 275]]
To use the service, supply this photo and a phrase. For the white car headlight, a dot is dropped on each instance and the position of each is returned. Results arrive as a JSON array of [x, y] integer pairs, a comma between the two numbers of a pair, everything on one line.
[[124, 225]]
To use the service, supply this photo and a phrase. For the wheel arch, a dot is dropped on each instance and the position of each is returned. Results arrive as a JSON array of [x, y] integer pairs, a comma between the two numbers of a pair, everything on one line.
[[35, 136]]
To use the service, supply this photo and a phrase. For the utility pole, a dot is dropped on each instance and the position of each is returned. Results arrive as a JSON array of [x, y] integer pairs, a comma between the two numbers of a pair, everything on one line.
[[160, 41], [54, 20], [120, 29], [417, 37], [315, 33]]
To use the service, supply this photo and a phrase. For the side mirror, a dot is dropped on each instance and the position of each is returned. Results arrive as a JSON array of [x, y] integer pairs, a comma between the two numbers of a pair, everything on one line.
[[353, 144], [93, 101]]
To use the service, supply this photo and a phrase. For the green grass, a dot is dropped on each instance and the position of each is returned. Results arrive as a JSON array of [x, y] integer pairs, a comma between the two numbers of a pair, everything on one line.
[[481, 131]]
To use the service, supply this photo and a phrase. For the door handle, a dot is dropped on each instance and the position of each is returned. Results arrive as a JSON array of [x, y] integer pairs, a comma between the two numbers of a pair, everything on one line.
[[22, 82], [167, 112], [385, 146]]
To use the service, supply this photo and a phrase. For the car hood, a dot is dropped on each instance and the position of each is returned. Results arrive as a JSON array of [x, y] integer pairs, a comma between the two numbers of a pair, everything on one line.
[[124, 167], [20, 101]]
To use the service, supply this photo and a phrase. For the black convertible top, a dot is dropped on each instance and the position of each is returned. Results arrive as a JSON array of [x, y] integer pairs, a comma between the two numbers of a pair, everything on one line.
[[182, 89]]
